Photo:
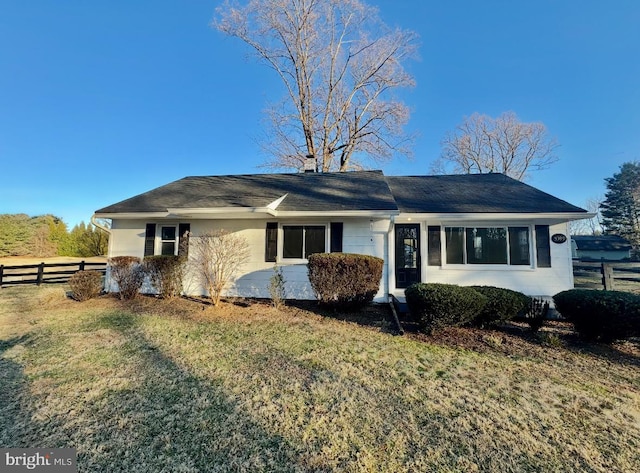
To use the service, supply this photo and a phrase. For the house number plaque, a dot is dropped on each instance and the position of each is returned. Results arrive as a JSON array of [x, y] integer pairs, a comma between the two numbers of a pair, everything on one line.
[[558, 238]]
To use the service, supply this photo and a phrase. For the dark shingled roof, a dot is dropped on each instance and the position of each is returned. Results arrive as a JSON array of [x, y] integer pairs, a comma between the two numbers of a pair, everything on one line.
[[364, 190], [361, 190], [472, 193], [601, 243]]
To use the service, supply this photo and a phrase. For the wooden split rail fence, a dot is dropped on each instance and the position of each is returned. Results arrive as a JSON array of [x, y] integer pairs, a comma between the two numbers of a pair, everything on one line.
[[45, 273], [609, 275]]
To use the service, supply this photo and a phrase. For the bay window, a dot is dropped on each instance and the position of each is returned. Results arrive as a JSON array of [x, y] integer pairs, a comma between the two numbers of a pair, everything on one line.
[[488, 245]]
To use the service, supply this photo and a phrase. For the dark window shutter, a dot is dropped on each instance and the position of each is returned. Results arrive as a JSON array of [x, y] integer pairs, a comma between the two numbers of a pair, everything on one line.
[[336, 237], [434, 257], [149, 239], [543, 246], [183, 239], [271, 242]]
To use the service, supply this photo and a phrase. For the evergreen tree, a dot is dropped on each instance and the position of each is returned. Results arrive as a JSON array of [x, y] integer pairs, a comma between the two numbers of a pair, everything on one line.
[[621, 207], [86, 240]]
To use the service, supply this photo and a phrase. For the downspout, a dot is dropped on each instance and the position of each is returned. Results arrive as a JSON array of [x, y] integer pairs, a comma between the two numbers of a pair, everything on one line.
[[392, 221], [390, 297]]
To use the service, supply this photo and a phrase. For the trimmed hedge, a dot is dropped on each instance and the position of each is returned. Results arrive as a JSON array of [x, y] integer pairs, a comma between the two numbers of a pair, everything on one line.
[[601, 315], [166, 274], [85, 285], [502, 305], [436, 305], [345, 280]]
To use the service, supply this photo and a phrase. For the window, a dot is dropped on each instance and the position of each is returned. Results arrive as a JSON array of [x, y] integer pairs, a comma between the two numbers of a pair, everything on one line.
[[300, 241], [434, 258], [166, 239], [519, 246], [487, 245], [454, 238]]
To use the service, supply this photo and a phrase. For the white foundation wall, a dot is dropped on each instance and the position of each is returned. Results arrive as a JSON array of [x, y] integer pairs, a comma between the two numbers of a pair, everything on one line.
[[543, 282], [362, 236]]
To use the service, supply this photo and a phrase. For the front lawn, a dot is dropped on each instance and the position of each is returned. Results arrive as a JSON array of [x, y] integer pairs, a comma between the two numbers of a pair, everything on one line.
[[171, 386]]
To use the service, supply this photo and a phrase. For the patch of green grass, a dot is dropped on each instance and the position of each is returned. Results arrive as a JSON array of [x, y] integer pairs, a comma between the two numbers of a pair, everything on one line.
[[155, 386]]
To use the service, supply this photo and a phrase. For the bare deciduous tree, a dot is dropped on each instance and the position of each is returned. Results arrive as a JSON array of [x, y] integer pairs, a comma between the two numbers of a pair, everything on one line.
[[589, 226], [482, 144], [339, 64], [216, 257]]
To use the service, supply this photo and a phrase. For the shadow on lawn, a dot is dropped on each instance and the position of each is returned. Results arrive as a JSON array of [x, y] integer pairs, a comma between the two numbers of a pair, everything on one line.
[[13, 391], [162, 418], [373, 315], [516, 338], [168, 419]]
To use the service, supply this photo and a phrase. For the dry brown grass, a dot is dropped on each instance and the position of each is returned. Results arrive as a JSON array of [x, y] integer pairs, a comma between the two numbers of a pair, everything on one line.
[[154, 385]]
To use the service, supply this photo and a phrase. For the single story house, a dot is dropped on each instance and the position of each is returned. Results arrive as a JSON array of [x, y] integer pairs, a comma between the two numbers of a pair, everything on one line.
[[479, 229], [600, 247]]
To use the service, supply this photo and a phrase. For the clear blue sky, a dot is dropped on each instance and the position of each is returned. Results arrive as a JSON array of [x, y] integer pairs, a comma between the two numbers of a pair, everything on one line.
[[101, 100]]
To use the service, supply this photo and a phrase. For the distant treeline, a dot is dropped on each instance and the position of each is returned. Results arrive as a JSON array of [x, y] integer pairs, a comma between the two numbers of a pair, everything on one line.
[[48, 235]]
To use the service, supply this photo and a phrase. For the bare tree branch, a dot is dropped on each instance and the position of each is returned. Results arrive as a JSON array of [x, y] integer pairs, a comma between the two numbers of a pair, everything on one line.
[[483, 144], [339, 64]]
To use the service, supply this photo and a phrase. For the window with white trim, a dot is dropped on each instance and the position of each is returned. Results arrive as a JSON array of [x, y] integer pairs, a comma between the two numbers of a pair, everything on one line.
[[300, 241], [488, 245], [166, 239]]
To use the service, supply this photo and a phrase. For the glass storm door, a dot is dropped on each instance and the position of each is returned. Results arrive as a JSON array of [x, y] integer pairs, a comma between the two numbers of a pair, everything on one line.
[[407, 255]]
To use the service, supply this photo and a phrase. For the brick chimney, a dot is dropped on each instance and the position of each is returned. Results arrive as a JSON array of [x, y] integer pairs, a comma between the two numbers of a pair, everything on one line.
[[310, 163]]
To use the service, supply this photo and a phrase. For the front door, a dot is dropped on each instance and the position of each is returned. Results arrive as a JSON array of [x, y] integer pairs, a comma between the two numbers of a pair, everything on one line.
[[407, 255]]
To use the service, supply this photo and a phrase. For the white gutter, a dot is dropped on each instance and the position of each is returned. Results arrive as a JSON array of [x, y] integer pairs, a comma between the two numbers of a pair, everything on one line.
[[247, 212], [99, 225], [477, 217]]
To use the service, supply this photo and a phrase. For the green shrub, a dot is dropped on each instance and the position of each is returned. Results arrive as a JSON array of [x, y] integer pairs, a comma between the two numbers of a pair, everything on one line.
[[345, 280], [85, 285], [502, 305], [165, 273], [441, 305], [128, 274], [601, 315]]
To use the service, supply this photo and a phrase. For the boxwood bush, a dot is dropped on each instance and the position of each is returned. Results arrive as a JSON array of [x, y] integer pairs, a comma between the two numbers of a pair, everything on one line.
[[435, 305], [601, 315], [345, 280], [502, 305]]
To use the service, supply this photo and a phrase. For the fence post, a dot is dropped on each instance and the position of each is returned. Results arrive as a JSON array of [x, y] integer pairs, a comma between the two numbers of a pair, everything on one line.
[[40, 273], [1, 273], [607, 276], [81, 266]]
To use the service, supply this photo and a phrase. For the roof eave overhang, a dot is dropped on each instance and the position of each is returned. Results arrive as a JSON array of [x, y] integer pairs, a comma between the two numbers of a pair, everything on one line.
[[549, 217], [337, 213], [131, 215], [245, 212]]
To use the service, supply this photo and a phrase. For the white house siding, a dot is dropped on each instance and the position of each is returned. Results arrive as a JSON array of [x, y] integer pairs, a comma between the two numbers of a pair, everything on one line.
[[360, 235], [127, 238], [531, 281]]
